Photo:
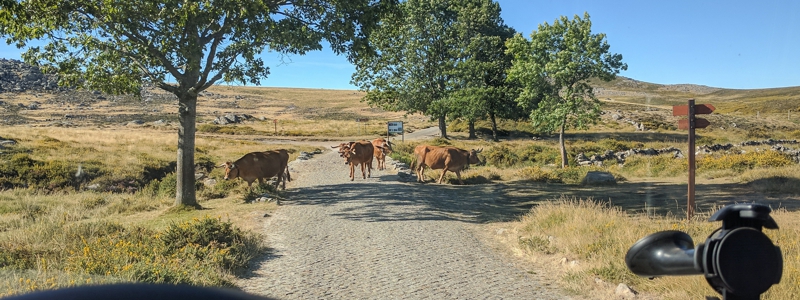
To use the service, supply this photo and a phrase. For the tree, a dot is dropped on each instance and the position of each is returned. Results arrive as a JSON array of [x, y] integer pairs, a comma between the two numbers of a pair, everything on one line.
[[117, 46], [413, 68], [553, 69], [485, 92]]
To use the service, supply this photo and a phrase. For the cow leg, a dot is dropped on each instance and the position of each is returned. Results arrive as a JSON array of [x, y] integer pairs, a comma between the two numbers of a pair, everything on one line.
[[352, 171], [363, 173], [441, 178], [281, 180], [458, 174], [420, 173]]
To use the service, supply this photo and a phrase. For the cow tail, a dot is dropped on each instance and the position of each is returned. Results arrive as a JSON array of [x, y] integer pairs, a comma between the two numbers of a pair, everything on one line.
[[288, 175]]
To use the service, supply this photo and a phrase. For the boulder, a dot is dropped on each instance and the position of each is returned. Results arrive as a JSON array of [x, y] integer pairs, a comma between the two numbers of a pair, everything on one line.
[[599, 178]]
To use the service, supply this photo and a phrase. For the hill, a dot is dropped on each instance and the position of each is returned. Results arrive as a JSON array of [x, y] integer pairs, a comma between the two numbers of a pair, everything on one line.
[[31, 98]]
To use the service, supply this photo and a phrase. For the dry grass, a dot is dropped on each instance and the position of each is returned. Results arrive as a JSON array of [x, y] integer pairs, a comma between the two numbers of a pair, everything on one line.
[[594, 238], [592, 234]]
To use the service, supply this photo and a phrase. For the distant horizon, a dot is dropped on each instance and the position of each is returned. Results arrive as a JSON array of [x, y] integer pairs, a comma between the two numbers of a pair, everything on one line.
[[355, 89], [737, 44]]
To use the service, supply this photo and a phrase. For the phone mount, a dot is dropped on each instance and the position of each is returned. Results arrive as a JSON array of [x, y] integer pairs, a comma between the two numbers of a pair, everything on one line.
[[738, 260]]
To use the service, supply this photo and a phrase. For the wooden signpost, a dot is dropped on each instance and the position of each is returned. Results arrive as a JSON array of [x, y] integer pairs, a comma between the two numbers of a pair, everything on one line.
[[691, 123]]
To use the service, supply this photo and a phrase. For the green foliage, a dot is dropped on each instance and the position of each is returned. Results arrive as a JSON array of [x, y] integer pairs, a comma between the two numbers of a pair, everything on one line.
[[741, 162], [501, 156], [116, 47], [227, 246], [553, 70], [23, 171], [539, 155], [429, 51], [16, 257], [537, 174]]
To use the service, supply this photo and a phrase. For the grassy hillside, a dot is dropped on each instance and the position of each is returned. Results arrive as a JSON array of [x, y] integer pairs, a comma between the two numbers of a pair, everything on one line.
[[56, 134]]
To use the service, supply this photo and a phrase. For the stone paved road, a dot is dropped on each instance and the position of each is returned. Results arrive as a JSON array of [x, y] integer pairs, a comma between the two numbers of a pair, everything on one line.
[[381, 238]]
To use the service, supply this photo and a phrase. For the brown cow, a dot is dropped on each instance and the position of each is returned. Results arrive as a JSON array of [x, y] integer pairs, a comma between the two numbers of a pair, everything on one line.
[[446, 158], [259, 165], [382, 148], [357, 153], [284, 154]]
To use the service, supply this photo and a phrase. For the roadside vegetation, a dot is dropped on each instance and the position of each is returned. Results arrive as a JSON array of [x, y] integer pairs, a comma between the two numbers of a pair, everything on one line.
[[116, 222], [584, 240], [56, 233]]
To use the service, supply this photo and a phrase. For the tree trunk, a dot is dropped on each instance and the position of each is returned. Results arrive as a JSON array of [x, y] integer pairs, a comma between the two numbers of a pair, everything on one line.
[[563, 147], [187, 111], [443, 127], [472, 135], [494, 126]]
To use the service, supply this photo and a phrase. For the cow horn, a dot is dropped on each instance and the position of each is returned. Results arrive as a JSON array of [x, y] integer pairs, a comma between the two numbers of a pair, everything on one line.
[[222, 165], [337, 146]]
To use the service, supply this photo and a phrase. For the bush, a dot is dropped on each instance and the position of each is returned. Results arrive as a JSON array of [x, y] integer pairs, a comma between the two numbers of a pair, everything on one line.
[[741, 162], [23, 171], [536, 174], [232, 247], [501, 156], [540, 155]]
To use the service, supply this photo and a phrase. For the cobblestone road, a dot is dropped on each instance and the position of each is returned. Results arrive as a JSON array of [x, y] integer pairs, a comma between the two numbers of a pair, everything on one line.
[[381, 238]]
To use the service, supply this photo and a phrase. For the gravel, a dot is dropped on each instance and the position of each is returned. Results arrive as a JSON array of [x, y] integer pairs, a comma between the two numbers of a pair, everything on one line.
[[381, 238]]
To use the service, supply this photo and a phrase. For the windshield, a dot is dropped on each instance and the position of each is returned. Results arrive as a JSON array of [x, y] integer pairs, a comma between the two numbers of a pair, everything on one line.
[[418, 149]]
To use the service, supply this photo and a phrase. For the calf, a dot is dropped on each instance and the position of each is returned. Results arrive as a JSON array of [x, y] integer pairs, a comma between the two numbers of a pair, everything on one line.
[[382, 148]]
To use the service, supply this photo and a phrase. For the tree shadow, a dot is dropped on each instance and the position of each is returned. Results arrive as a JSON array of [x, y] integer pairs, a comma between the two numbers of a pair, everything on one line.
[[507, 201]]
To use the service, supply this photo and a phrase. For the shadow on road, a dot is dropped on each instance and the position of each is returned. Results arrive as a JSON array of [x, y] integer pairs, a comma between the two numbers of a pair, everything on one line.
[[507, 201]]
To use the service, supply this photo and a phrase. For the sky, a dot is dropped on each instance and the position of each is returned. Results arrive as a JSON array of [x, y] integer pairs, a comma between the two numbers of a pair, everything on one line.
[[727, 44]]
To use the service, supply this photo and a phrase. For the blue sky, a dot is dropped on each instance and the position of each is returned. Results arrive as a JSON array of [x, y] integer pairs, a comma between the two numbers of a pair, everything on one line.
[[728, 44]]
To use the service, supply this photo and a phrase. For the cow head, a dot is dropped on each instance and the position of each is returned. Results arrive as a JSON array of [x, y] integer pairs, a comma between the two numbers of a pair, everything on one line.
[[473, 157], [345, 150], [231, 171]]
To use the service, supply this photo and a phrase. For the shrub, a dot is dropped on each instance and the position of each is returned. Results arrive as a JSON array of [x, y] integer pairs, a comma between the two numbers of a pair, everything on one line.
[[537, 174], [741, 162], [540, 155], [501, 156], [232, 247]]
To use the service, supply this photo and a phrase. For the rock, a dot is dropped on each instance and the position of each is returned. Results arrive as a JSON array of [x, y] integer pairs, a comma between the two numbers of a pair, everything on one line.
[[210, 182], [198, 176], [599, 178], [625, 292], [93, 187]]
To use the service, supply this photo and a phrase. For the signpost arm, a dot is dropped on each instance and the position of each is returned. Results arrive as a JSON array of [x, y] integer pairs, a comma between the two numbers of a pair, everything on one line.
[[690, 191]]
